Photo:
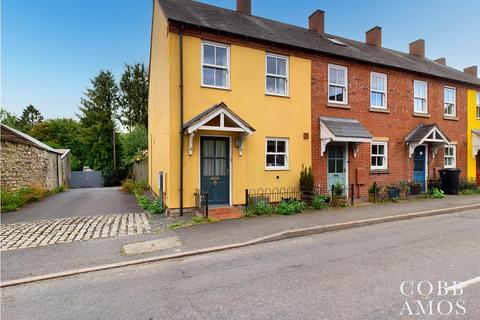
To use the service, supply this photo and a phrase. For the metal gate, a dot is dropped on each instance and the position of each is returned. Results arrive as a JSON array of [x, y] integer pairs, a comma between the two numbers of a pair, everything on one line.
[[86, 179]]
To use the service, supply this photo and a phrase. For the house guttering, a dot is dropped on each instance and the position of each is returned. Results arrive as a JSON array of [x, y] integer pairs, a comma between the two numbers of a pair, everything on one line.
[[181, 118]]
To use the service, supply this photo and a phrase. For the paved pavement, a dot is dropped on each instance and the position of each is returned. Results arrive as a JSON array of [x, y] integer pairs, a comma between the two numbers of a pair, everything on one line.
[[46, 232], [350, 274], [75, 203]]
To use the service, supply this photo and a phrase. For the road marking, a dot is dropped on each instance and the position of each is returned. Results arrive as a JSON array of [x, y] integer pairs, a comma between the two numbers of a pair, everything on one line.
[[464, 284]]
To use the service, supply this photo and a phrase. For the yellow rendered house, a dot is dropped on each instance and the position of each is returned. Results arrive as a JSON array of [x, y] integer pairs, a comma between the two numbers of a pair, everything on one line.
[[473, 135], [226, 113]]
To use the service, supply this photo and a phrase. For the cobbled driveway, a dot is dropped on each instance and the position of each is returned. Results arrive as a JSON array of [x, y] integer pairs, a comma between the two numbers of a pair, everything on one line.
[[45, 232]]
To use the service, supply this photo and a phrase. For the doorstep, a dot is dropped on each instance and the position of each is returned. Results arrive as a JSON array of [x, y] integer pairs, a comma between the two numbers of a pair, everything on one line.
[[224, 213]]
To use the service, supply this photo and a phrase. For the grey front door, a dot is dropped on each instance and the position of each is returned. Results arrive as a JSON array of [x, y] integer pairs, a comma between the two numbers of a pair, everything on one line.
[[215, 169], [336, 166]]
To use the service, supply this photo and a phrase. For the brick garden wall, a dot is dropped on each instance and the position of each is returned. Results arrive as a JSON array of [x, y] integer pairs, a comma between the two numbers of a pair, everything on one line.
[[25, 165], [394, 125]]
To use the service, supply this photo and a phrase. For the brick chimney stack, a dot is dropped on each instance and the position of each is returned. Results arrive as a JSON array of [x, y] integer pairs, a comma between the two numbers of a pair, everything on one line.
[[244, 7], [374, 36], [417, 48], [316, 21], [442, 61], [473, 70]]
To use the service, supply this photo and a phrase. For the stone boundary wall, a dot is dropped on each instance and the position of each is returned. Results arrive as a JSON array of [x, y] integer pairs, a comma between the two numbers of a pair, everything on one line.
[[26, 165]]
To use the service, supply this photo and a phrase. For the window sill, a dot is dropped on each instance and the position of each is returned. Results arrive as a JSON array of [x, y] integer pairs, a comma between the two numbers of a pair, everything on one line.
[[213, 87], [380, 110], [379, 171], [277, 95], [277, 169], [421, 115], [338, 105], [450, 118]]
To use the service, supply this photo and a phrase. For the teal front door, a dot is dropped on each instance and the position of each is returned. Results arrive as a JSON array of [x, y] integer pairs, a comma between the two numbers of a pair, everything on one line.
[[336, 166], [215, 169]]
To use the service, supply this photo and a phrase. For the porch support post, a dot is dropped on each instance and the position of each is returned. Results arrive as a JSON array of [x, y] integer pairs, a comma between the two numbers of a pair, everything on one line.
[[435, 150], [241, 139], [356, 147]]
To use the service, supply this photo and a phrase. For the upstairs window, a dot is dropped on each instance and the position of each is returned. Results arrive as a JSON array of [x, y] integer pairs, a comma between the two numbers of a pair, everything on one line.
[[276, 75], [215, 65], [276, 154], [478, 105], [379, 156], [337, 84], [449, 153], [378, 91], [420, 97], [449, 102]]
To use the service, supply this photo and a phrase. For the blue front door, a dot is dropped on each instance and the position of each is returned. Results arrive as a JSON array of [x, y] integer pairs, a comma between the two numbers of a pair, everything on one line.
[[336, 166], [215, 169], [419, 166]]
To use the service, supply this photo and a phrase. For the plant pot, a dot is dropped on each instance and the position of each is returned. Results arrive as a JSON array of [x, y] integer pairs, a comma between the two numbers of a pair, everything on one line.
[[307, 197], [403, 194], [372, 197], [415, 189], [339, 201]]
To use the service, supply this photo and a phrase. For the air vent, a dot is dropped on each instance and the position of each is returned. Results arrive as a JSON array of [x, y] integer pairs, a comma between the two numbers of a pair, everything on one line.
[[336, 41]]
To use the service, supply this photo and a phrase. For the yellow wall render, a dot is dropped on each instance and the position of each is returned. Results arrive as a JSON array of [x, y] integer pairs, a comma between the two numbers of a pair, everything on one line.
[[158, 100], [271, 116], [473, 124]]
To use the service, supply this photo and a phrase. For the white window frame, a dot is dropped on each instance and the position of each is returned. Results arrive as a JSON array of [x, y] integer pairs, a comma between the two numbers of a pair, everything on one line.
[[478, 104], [285, 167], [286, 77], [415, 82], [334, 66], [379, 75], [203, 64], [385, 156], [454, 101], [454, 157]]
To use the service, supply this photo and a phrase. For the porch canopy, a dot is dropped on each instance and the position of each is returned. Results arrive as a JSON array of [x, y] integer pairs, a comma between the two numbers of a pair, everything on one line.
[[422, 134], [475, 142], [342, 130], [218, 118]]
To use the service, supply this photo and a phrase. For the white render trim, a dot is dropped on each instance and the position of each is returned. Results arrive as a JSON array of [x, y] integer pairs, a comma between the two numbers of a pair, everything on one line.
[[222, 111]]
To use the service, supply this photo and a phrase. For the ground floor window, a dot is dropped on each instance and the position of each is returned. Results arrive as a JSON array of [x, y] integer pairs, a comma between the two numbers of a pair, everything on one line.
[[276, 155], [379, 156], [450, 157]]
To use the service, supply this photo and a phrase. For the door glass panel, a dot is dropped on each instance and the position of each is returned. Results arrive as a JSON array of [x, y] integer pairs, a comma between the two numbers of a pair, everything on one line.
[[339, 168], [208, 167], [221, 148], [208, 148], [339, 152], [220, 167], [331, 166]]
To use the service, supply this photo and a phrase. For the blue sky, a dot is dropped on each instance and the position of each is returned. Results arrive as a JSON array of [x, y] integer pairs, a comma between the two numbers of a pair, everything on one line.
[[51, 48]]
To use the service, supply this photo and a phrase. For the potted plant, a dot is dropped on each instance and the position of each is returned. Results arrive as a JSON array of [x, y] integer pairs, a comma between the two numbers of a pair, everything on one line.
[[307, 184], [338, 195], [393, 192], [372, 193], [403, 185]]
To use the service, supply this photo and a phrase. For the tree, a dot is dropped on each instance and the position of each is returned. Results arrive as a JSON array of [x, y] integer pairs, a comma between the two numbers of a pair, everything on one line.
[[9, 119], [30, 117], [133, 143], [62, 133], [134, 96], [99, 107]]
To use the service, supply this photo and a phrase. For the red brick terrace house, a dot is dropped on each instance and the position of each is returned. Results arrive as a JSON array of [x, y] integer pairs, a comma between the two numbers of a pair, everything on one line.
[[382, 115]]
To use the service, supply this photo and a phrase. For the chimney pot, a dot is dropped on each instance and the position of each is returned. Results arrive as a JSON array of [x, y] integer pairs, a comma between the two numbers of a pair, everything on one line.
[[473, 70], [374, 36], [417, 48], [316, 21], [442, 61], [244, 7]]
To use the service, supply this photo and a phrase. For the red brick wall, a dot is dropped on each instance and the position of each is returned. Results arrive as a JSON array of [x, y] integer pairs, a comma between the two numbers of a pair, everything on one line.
[[395, 125]]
